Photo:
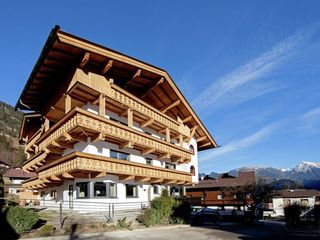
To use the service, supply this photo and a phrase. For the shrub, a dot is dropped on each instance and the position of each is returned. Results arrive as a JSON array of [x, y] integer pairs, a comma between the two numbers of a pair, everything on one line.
[[292, 214], [165, 210], [47, 230], [21, 219], [123, 223]]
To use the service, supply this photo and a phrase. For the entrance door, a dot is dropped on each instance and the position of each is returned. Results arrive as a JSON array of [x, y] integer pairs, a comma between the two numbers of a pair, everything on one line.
[[70, 196]]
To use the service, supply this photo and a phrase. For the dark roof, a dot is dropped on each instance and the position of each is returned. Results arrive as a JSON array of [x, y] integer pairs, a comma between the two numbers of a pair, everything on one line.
[[297, 193], [18, 173], [244, 178]]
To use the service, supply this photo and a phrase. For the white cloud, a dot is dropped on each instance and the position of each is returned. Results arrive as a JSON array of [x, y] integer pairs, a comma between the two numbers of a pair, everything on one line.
[[310, 121], [243, 80], [240, 144]]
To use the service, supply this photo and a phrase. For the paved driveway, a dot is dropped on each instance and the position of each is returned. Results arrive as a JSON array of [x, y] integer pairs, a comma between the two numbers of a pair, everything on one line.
[[222, 232]]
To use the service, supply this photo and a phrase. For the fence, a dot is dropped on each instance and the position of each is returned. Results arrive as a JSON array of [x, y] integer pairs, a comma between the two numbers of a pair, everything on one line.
[[81, 211]]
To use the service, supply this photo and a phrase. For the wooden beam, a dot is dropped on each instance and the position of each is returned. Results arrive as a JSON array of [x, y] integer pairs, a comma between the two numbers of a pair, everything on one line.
[[163, 156], [142, 179], [205, 145], [78, 138], [147, 151], [193, 131], [61, 145], [45, 180], [85, 59], [179, 159], [147, 123], [99, 137], [169, 181], [67, 136], [102, 105], [187, 119], [201, 138], [156, 180], [137, 74], [55, 178], [130, 117], [153, 87], [181, 182], [46, 124], [67, 175], [67, 103], [180, 140], [171, 105], [126, 145], [168, 135], [57, 109], [126, 177], [101, 174], [107, 67]]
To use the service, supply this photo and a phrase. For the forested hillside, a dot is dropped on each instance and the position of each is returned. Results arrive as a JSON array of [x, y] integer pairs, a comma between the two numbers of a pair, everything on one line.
[[10, 150]]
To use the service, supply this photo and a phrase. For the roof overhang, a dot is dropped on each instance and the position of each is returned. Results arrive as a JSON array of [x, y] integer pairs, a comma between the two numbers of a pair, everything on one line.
[[63, 51]]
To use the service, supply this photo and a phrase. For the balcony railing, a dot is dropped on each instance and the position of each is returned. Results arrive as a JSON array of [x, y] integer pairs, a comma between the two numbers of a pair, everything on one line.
[[101, 85], [76, 162], [64, 133]]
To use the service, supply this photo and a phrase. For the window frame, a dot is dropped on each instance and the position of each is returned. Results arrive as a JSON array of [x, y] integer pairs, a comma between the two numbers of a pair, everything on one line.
[[133, 187]]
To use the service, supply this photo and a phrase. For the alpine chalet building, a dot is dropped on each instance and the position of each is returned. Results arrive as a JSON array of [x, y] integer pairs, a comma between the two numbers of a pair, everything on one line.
[[101, 126]]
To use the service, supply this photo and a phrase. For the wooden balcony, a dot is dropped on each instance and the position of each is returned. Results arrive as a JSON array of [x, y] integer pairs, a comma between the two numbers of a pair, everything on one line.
[[80, 125], [83, 165], [89, 86]]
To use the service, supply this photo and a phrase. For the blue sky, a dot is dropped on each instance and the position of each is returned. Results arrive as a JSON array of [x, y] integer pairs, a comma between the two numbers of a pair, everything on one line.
[[250, 69]]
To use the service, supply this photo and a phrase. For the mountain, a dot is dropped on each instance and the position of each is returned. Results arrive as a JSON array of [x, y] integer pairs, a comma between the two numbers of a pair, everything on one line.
[[11, 152], [305, 173]]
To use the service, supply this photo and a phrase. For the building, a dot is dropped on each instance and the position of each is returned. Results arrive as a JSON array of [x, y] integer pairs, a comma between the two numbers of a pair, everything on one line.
[[217, 192], [13, 179], [305, 197], [105, 127]]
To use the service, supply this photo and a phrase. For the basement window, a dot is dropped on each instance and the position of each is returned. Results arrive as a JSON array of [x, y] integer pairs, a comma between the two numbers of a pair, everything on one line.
[[131, 191], [100, 189], [82, 189]]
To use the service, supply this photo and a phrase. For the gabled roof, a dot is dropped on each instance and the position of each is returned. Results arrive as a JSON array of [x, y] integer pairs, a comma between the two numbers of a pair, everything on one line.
[[244, 178], [18, 173], [63, 51], [296, 193]]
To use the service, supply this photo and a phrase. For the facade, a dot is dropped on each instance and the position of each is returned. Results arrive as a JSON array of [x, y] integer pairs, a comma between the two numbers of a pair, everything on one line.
[[105, 127], [283, 198], [216, 192]]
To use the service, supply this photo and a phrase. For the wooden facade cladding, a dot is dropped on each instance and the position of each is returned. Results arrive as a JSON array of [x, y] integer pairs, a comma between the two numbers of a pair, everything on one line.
[[101, 85], [95, 165], [95, 126]]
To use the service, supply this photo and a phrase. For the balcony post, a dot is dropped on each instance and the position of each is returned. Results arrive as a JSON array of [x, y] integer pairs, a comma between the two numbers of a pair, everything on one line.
[[130, 117], [167, 134], [67, 103], [102, 105]]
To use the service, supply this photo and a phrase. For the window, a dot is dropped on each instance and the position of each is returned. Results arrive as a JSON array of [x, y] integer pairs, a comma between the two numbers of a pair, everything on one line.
[[83, 189], [220, 197], [131, 191], [156, 190], [170, 166], [118, 121], [119, 155], [192, 170], [100, 189], [53, 194], [191, 148], [112, 187], [149, 161], [42, 194]]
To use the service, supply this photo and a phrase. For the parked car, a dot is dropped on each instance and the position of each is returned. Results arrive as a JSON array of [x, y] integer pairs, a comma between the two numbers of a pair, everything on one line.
[[204, 216]]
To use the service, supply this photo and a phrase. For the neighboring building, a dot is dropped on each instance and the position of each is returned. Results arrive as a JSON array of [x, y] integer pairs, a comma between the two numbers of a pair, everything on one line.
[[216, 192], [106, 127], [283, 198], [13, 179]]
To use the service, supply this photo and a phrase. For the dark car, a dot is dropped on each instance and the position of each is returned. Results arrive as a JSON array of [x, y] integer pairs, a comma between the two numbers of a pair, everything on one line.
[[204, 216]]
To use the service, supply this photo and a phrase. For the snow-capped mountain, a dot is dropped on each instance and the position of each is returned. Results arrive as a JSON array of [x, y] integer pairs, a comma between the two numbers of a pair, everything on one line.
[[302, 173], [305, 171]]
